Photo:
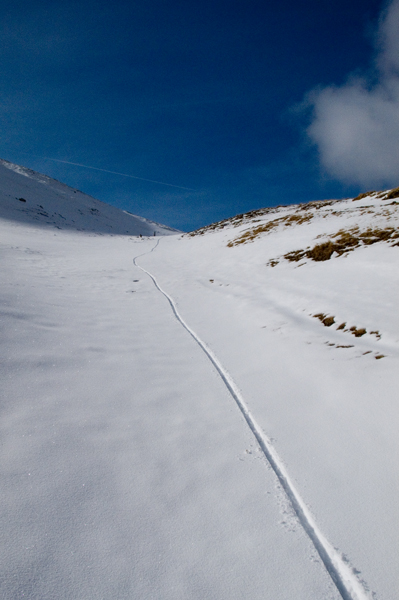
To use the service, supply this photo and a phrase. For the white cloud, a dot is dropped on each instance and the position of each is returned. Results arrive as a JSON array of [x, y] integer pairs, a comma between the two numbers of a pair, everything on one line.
[[388, 39], [356, 126]]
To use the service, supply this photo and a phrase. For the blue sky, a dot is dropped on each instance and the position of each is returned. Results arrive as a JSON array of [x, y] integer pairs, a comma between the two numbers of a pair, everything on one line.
[[247, 103]]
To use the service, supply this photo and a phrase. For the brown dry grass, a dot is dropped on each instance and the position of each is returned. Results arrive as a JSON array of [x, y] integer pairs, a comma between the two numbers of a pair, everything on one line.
[[234, 221], [376, 333], [321, 252], [364, 195], [357, 332], [345, 241], [272, 263], [393, 194], [316, 204], [251, 234], [297, 219], [287, 221], [295, 256], [384, 195], [327, 321]]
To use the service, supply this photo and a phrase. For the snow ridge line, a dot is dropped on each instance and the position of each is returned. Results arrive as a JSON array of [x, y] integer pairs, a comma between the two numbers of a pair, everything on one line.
[[339, 570]]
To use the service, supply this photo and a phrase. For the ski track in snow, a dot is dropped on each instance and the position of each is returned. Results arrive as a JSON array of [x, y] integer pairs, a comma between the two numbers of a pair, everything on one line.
[[340, 571]]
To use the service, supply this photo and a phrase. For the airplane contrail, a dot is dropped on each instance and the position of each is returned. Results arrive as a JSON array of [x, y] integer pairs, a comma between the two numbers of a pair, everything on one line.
[[180, 187]]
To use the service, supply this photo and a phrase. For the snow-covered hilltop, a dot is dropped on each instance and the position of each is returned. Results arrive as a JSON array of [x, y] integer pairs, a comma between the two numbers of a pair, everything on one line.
[[30, 197], [348, 251], [375, 218], [202, 416]]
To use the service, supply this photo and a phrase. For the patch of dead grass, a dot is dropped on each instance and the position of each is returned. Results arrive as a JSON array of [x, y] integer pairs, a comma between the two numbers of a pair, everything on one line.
[[376, 333], [272, 263], [393, 194], [345, 241], [253, 233], [357, 332], [235, 221], [383, 195], [327, 321], [354, 330], [364, 195], [295, 256], [321, 252], [316, 204]]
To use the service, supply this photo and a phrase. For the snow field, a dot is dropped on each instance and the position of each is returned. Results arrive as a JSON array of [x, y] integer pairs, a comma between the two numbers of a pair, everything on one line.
[[127, 470], [343, 576], [331, 412]]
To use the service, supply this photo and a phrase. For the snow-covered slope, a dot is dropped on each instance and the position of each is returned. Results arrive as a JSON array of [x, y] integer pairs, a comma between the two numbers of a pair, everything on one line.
[[347, 252], [202, 416], [300, 305], [30, 197]]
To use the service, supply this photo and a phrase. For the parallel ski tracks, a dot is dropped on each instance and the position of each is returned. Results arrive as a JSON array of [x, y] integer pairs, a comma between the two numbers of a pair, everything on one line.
[[339, 570]]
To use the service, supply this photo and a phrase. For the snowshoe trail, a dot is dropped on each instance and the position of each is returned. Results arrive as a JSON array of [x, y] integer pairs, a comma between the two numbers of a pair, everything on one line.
[[342, 573]]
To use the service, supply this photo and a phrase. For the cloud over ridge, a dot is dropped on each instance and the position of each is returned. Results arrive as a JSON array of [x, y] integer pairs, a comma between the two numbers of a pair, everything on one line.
[[356, 126]]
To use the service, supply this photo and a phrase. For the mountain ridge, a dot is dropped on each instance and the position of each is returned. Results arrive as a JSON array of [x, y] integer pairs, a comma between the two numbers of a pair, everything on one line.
[[45, 202]]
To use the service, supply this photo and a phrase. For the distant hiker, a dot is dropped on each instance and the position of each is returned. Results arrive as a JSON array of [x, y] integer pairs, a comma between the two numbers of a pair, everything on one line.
[[154, 233], [141, 235]]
